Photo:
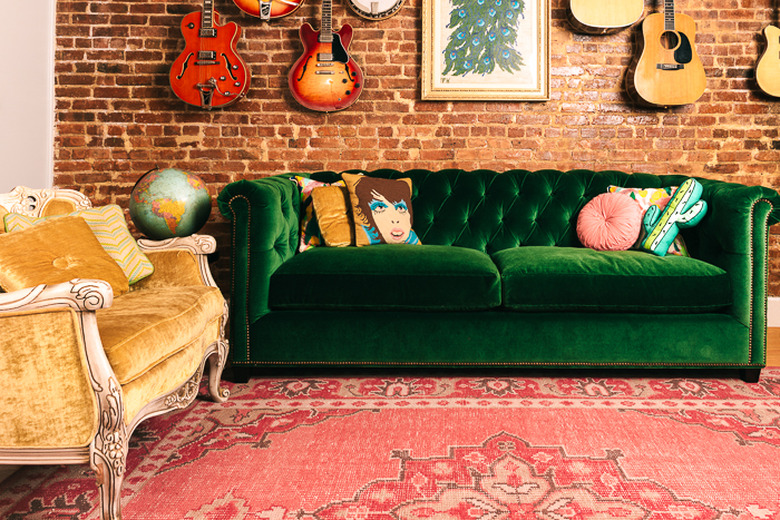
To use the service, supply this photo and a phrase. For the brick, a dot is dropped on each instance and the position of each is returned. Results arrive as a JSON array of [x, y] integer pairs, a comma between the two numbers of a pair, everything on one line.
[[116, 116]]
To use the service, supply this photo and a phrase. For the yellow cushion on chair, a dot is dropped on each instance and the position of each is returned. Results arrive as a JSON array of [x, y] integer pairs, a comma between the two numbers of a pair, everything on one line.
[[56, 251], [110, 227]]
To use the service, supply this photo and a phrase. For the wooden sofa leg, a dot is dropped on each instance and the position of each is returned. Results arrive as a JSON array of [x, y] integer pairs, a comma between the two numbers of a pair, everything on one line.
[[216, 365], [750, 375], [108, 452]]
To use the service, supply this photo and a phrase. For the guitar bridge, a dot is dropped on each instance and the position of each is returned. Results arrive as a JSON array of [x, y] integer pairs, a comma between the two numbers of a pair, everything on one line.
[[207, 93], [670, 66]]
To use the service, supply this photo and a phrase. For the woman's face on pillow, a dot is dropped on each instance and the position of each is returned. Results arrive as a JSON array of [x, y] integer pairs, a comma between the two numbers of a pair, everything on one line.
[[392, 219]]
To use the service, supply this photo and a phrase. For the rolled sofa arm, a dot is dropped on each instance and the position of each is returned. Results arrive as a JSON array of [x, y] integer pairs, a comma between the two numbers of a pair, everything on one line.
[[265, 215], [734, 236], [78, 294]]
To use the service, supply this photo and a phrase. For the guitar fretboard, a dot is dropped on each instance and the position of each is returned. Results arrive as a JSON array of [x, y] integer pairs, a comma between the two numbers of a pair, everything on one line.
[[669, 15], [326, 32], [207, 24]]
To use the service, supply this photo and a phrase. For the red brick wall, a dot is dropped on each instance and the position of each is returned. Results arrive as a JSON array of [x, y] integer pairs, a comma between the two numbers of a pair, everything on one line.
[[116, 116]]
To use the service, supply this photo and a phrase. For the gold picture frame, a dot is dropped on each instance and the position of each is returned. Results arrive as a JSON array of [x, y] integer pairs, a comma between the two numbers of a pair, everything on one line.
[[481, 50]]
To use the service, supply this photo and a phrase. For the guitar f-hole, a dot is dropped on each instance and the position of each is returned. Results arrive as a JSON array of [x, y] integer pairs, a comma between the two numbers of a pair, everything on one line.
[[184, 66]]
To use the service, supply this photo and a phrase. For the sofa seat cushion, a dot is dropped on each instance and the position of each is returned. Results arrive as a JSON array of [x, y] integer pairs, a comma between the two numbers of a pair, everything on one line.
[[581, 279], [143, 328], [384, 277]]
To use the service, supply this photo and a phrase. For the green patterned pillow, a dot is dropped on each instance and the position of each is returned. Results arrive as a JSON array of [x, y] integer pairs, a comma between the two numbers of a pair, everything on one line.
[[110, 228]]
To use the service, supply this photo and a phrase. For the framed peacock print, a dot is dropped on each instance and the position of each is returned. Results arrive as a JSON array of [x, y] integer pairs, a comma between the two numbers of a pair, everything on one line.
[[486, 50]]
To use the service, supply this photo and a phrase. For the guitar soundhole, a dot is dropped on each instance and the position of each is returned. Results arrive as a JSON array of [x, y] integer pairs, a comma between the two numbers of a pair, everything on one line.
[[670, 40]]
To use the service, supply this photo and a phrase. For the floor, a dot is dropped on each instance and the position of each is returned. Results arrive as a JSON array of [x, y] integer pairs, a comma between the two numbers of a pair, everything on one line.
[[772, 359], [773, 346]]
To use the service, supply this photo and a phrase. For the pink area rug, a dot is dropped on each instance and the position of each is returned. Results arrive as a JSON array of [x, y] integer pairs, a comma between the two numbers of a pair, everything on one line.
[[434, 448]]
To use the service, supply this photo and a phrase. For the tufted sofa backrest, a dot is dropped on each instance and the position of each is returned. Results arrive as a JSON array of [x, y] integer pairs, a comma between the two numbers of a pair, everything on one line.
[[491, 211]]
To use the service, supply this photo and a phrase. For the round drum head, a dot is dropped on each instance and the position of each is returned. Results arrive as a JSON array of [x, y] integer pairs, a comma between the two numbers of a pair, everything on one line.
[[375, 9]]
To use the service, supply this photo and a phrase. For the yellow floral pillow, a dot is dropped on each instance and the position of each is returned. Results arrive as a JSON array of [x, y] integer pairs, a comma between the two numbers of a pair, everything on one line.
[[56, 251], [110, 228]]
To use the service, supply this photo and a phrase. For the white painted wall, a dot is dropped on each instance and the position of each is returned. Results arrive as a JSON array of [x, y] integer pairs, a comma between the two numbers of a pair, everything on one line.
[[27, 94]]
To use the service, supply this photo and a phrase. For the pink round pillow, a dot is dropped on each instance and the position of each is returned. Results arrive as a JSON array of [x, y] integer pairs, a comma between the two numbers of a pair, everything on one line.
[[609, 222]]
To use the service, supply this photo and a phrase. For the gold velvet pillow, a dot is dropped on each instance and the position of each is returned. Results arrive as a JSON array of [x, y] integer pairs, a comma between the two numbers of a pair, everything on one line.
[[381, 209], [56, 251], [331, 205]]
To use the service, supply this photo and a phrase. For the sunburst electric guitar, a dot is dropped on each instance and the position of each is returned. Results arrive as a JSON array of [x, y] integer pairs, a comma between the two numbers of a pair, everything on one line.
[[768, 68], [604, 16], [325, 78], [668, 71], [209, 73], [268, 9]]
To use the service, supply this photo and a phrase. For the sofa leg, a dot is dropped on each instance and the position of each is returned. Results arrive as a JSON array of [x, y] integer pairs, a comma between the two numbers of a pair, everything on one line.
[[750, 375], [216, 366], [108, 452], [240, 375]]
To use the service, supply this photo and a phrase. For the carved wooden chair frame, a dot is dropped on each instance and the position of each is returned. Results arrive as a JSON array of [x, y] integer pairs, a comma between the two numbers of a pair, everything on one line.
[[107, 453]]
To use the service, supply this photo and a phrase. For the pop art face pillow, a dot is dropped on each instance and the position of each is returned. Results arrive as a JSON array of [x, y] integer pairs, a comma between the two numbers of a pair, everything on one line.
[[382, 210]]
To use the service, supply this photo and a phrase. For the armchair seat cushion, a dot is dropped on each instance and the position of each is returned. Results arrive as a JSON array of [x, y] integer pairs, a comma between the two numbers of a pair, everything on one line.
[[384, 277], [144, 328], [581, 279]]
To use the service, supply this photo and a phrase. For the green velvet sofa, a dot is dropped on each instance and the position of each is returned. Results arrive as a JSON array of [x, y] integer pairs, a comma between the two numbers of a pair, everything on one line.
[[501, 280]]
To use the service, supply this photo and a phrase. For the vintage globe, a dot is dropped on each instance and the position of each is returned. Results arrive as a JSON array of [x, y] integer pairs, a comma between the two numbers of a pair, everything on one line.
[[169, 203]]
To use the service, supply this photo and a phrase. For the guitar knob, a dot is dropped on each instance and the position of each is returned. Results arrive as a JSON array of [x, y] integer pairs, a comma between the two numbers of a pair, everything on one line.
[[237, 84], [222, 78], [234, 67]]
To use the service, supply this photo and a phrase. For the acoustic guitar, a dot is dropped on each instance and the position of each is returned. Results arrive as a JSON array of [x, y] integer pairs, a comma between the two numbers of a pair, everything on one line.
[[604, 16], [668, 71], [325, 78], [768, 68], [268, 9], [209, 73]]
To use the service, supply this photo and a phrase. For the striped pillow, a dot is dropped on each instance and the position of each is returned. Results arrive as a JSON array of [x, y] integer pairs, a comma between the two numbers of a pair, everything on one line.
[[110, 228]]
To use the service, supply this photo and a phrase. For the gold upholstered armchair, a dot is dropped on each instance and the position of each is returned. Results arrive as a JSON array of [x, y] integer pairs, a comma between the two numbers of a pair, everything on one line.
[[89, 352]]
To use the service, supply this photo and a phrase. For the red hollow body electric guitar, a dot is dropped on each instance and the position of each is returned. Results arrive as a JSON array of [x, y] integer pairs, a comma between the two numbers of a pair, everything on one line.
[[325, 78], [209, 73]]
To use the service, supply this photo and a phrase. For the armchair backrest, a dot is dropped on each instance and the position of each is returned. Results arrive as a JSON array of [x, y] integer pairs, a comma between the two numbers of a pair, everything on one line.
[[41, 202]]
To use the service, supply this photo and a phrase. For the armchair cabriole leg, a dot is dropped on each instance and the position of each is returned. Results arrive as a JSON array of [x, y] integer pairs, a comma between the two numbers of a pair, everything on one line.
[[217, 362], [108, 452]]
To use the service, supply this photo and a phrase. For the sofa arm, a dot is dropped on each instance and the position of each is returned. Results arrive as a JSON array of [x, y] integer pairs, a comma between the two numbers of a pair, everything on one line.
[[265, 215], [734, 236], [178, 261]]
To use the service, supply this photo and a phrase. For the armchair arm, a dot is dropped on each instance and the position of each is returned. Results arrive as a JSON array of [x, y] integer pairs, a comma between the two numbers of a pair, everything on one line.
[[173, 259], [78, 294], [57, 372]]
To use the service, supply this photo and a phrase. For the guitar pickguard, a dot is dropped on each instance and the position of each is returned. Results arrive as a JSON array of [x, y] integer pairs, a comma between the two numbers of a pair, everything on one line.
[[684, 53], [339, 54]]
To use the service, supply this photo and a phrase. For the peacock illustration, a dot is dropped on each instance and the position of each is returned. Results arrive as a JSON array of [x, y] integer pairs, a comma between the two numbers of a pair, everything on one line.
[[483, 36]]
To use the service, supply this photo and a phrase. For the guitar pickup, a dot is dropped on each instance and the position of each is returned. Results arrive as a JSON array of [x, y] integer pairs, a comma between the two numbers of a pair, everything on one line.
[[207, 55], [324, 56], [670, 66]]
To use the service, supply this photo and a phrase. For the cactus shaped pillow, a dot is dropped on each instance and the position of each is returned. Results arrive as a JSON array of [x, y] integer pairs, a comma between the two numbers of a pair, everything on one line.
[[684, 209]]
